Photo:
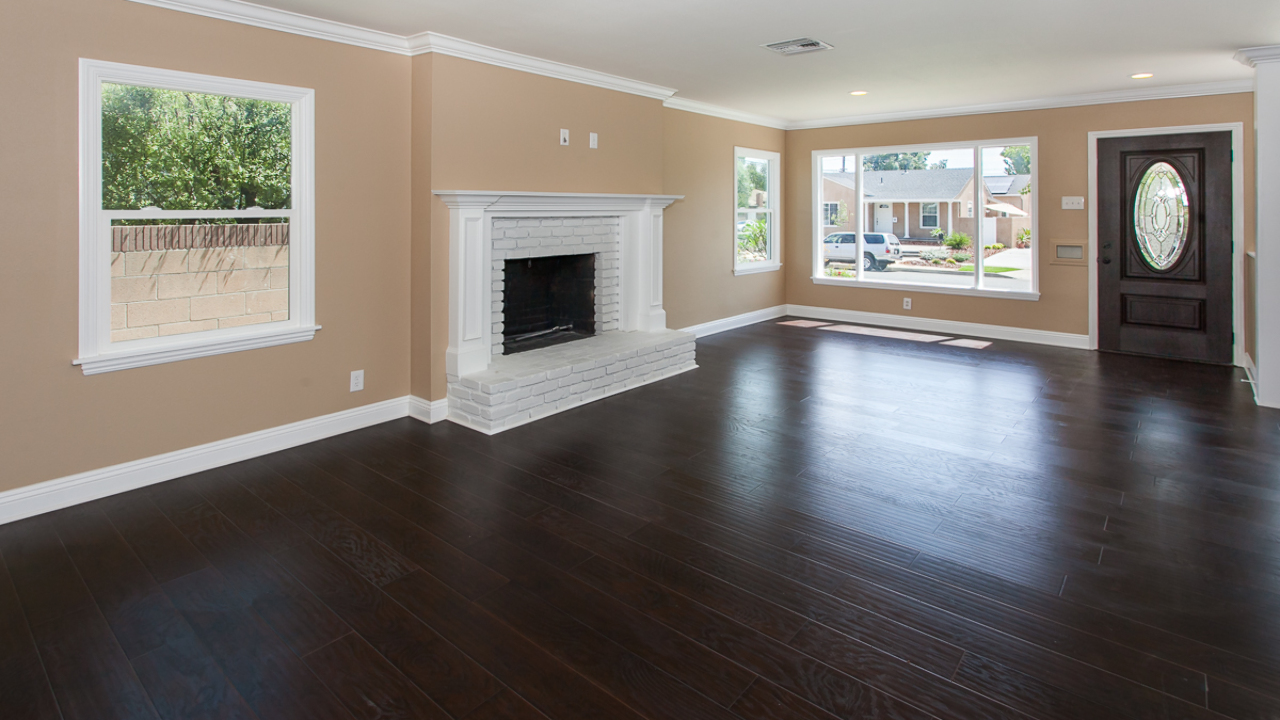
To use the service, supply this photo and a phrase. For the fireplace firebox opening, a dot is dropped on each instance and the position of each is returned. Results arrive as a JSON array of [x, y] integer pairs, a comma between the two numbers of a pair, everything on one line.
[[548, 301]]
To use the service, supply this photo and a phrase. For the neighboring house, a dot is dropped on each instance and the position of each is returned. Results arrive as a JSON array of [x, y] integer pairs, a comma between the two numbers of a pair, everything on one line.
[[912, 204]]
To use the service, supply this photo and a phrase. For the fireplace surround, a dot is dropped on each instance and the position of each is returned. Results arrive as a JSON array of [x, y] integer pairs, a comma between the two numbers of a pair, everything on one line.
[[492, 388]]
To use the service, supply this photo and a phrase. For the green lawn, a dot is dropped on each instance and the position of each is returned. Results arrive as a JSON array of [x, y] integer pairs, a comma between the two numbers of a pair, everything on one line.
[[987, 268]]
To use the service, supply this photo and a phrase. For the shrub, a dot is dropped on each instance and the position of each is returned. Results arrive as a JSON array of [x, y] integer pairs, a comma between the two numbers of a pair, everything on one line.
[[951, 261], [997, 246], [932, 255], [957, 241], [936, 261], [961, 257]]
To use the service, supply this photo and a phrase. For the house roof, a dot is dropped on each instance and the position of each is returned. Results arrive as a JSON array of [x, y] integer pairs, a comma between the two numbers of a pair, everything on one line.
[[909, 185], [926, 185], [1006, 184]]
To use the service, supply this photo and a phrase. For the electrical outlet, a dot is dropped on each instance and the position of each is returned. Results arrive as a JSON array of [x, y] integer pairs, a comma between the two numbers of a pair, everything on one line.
[[357, 380], [564, 136], [595, 141], [906, 303]]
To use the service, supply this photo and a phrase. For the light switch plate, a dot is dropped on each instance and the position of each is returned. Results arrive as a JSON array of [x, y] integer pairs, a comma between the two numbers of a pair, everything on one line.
[[1072, 202], [564, 136], [595, 141]]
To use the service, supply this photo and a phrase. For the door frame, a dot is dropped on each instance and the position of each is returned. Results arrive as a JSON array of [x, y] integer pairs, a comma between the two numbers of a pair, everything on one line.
[[1237, 222]]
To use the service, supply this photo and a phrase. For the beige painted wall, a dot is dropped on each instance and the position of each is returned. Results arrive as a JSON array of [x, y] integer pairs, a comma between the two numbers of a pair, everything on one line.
[[1063, 157], [54, 421], [698, 280], [424, 313]]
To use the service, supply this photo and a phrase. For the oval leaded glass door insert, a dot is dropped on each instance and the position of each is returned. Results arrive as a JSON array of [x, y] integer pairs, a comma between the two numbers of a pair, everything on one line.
[[1161, 216]]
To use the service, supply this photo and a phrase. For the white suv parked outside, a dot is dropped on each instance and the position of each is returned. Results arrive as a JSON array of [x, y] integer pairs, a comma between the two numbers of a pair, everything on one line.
[[879, 249]]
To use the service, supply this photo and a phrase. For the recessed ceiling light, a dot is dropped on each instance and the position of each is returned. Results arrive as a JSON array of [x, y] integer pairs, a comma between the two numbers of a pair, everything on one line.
[[858, 92], [1142, 76]]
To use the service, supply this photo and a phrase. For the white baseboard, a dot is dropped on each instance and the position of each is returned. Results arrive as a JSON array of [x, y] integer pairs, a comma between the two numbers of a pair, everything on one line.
[[737, 321], [952, 327], [1251, 372], [428, 412], [64, 492]]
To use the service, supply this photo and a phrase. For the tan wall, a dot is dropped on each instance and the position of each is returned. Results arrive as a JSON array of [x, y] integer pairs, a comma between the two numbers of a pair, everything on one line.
[[55, 421], [1063, 170], [698, 245], [498, 129], [430, 274]]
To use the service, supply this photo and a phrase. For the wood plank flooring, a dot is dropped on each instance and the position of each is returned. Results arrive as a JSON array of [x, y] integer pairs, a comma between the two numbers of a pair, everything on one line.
[[811, 525]]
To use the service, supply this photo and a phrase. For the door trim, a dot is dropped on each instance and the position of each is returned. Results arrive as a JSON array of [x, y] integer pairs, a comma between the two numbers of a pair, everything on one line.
[[1237, 222]]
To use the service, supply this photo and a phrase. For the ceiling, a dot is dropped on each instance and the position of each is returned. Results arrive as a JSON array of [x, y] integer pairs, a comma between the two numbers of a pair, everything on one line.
[[910, 56]]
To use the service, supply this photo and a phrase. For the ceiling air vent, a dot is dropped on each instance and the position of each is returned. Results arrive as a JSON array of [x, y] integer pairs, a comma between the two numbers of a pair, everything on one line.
[[799, 46]]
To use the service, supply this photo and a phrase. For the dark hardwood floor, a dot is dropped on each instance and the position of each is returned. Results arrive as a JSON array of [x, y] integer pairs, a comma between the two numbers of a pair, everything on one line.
[[811, 525]]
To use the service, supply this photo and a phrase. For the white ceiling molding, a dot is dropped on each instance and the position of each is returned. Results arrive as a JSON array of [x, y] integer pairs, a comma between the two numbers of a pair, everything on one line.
[[430, 42], [285, 21], [420, 44], [1102, 98], [1254, 55], [272, 19], [695, 106]]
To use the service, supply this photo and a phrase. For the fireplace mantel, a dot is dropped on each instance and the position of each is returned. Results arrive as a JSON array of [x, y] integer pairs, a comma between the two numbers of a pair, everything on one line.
[[471, 216]]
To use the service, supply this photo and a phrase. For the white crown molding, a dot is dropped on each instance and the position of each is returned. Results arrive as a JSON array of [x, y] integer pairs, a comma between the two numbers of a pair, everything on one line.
[[1255, 55], [701, 108], [82, 487], [430, 42], [285, 21], [1101, 98], [420, 44]]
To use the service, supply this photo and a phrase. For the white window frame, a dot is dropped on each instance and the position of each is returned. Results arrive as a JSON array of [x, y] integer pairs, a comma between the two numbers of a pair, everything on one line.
[[937, 216], [775, 209], [869, 280], [98, 353]]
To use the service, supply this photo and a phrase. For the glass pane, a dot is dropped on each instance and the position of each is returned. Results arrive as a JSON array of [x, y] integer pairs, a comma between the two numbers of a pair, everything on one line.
[[897, 189], [176, 279], [193, 151], [753, 233], [1161, 216], [753, 183], [1008, 218]]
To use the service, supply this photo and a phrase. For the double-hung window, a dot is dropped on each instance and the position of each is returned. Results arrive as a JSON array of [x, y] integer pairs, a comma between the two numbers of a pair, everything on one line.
[[929, 215], [197, 215], [757, 193], [976, 204]]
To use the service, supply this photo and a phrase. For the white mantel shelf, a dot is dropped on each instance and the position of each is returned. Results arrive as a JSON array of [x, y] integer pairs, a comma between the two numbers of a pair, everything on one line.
[[471, 216], [543, 202]]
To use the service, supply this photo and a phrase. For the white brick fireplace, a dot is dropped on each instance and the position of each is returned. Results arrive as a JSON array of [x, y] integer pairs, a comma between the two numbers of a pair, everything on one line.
[[490, 391]]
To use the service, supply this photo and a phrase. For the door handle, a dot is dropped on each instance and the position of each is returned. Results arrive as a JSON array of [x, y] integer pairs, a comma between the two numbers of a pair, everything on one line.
[[1106, 261]]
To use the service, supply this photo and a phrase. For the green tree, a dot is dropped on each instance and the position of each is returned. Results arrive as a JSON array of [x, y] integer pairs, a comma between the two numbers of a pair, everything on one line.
[[896, 161], [751, 176], [192, 151], [1017, 160]]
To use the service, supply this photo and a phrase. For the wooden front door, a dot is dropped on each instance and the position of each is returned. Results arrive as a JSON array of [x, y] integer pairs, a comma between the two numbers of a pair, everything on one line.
[[1165, 245]]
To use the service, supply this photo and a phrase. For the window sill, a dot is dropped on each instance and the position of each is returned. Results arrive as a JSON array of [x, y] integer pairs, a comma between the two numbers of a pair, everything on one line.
[[756, 268], [125, 360], [918, 287]]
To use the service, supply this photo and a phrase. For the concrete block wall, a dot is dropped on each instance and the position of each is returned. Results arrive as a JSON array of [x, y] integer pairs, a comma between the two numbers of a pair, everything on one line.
[[172, 292], [515, 238]]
